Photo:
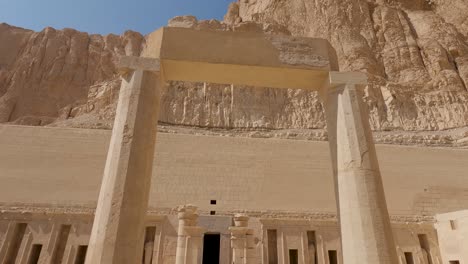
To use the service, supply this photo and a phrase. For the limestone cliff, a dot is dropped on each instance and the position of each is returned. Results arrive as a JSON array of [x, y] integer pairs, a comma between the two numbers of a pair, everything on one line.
[[417, 60], [415, 53], [44, 75]]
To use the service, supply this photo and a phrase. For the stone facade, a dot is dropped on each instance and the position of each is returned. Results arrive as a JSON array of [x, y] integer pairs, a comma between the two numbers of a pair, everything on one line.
[[224, 167], [452, 230], [197, 169], [290, 234], [239, 54]]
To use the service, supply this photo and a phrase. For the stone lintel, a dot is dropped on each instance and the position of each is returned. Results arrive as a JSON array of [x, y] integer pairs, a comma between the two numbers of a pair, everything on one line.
[[241, 58], [126, 64], [340, 78], [241, 48]]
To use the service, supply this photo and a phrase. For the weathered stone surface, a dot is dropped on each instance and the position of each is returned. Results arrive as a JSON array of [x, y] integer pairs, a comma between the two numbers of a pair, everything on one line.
[[415, 59], [240, 58], [119, 222], [364, 219], [414, 52], [44, 75], [291, 233], [454, 12]]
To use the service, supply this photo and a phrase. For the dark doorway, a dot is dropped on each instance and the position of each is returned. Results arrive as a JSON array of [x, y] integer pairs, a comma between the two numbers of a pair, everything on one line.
[[272, 246], [454, 262], [35, 254], [333, 256], [409, 258], [18, 234], [211, 244], [150, 236], [312, 245], [81, 255], [293, 256], [425, 246], [60, 245]]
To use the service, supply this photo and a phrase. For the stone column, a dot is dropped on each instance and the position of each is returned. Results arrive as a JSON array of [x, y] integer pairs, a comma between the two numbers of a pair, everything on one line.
[[194, 244], [118, 230], [242, 240], [190, 236], [366, 233]]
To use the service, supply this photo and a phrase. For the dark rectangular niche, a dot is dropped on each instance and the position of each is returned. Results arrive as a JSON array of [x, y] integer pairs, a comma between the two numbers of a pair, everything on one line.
[[409, 258], [81, 254], [272, 246], [150, 236], [312, 246], [333, 256], [293, 256], [18, 235], [61, 243], [35, 254]]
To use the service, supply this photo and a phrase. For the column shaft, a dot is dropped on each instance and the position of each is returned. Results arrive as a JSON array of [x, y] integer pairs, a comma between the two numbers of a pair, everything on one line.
[[189, 236], [194, 245], [118, 229], [242, 240], [365, 223]]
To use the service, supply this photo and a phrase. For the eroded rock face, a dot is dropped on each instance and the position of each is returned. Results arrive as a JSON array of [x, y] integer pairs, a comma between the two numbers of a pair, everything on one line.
[[44, 75], [414, 52]]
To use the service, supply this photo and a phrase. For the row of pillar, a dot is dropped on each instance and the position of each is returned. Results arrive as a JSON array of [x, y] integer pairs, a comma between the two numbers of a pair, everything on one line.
[[190, 238]]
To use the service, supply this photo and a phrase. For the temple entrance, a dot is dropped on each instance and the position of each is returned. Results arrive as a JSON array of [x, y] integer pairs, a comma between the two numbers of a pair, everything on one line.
[[265, 61], [211, 246], [293, 256]]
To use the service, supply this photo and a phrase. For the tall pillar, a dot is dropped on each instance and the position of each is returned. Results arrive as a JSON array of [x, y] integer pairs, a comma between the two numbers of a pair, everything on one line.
[[366, 232], [189, 236], [118, 230], [242, 240]]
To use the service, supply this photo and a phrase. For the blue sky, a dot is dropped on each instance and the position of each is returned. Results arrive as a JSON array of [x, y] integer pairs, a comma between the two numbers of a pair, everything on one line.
[[105, 16]]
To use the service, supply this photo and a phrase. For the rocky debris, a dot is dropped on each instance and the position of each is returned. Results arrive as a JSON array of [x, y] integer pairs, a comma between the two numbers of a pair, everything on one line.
[[414, 52]]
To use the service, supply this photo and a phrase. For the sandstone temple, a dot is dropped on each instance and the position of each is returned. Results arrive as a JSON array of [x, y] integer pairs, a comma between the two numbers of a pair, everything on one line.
[[292, 132]]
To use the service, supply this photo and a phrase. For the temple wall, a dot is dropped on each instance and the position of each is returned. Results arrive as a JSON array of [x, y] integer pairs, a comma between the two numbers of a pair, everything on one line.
[[55, 166], [50, 180], [452, 229], [46, 230]]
